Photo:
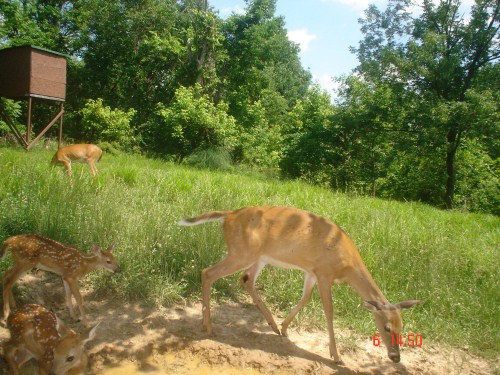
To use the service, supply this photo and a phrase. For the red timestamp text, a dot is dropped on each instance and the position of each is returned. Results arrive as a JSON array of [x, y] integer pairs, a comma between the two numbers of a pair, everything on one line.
[[411, 340]]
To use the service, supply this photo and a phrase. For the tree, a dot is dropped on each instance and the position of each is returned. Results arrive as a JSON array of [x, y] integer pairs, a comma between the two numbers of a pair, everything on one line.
[[204, 43], [260, 58], [262, 79], [43, 23], [436, 59], [133, 52], [313, 146]]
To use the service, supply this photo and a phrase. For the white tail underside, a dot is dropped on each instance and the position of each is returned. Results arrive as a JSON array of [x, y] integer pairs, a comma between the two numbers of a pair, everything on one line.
[[186, 223]]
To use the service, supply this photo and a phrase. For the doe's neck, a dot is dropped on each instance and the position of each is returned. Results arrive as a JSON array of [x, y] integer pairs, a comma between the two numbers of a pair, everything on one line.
[[363, 283]]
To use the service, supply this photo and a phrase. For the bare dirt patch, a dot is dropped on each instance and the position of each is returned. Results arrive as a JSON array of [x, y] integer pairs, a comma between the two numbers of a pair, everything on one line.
[[137, 339]]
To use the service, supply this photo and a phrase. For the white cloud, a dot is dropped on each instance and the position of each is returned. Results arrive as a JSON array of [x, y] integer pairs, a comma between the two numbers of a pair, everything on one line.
[[302, 37], [327, 83]]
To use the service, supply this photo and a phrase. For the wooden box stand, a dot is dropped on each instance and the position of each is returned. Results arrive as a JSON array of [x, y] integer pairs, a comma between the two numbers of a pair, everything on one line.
[[28, 73]]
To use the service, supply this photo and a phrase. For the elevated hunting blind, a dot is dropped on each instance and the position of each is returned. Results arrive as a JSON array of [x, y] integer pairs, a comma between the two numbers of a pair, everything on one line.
[[28, 73]]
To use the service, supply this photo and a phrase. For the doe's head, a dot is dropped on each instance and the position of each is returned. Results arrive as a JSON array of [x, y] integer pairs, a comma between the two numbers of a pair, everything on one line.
[[389, 323]]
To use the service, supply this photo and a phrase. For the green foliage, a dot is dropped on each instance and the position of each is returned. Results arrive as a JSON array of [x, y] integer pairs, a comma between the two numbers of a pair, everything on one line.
[[478, 188], [35, 22], [262, 62], [261, 144], [205, 50], [100, 123], [13, 110], [433, 60], [134, 54], [192, 122], [309, 154], [412, 250]]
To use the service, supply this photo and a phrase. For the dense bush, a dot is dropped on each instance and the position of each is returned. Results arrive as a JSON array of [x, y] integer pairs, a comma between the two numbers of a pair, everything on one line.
[[190, 123], [260, 143], [100, 123]]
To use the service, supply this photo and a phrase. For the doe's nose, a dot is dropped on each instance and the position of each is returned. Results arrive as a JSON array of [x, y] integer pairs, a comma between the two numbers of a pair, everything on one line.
[[395, 357]]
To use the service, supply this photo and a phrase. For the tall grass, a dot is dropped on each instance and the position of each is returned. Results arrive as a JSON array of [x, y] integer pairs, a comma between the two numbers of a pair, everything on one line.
[[448, 259]]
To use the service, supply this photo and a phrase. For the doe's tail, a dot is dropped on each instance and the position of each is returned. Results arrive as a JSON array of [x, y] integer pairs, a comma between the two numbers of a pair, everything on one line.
[[204, 218]]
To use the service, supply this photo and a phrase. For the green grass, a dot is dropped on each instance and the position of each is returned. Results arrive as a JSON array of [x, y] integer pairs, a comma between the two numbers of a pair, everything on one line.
[[448, 259]]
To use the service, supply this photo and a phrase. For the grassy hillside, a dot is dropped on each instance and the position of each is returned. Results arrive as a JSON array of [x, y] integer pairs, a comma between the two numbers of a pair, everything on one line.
[[448, 259]]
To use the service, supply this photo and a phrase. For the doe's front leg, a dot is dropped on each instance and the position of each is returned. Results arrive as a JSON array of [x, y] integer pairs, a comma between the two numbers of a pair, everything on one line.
[[248, 281], [325, 289]]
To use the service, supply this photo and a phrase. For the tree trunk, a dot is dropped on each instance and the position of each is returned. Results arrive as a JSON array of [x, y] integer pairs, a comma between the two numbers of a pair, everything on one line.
[[453, 142], [450, 182], [203, 55]]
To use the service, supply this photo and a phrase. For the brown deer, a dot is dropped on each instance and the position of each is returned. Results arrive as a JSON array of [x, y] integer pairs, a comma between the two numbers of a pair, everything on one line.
[[87, 153], [36, 332], [291, 238], [34, 251]]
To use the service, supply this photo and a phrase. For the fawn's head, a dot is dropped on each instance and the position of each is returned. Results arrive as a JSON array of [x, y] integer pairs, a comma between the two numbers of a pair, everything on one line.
[[388, 321], [106, 258], [69, 353]]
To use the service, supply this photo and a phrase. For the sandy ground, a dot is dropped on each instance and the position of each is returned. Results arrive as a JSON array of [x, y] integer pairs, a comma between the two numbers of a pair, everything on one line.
[[137, 339]]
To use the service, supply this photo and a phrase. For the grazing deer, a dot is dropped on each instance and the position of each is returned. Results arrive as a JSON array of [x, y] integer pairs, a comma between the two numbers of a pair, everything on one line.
[[87, 153], [34, 251], [291, 238], [36, 332]]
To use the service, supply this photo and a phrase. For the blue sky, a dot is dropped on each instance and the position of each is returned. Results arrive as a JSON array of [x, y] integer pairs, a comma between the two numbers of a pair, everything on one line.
[[324, 29]]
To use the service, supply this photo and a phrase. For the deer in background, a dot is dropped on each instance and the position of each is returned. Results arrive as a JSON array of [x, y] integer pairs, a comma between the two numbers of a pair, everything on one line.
[[34, 251], [87, 153], [36, 332], [291, 238]]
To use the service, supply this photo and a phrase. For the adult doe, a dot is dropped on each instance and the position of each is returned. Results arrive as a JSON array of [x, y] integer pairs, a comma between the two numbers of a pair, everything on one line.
[[291, 238]]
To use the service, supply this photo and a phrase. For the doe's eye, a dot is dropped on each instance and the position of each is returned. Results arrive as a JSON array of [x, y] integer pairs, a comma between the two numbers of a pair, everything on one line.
[[70, 358]]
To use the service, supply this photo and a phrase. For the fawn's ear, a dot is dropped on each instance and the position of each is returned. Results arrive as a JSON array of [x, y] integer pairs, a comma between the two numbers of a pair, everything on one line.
[[111, 247], [96, 249], [91, 334], [408, 304], [61, 328]]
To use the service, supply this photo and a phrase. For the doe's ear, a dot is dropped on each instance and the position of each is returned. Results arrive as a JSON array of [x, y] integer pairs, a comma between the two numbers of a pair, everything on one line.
[[408, 304], [372, 305]]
